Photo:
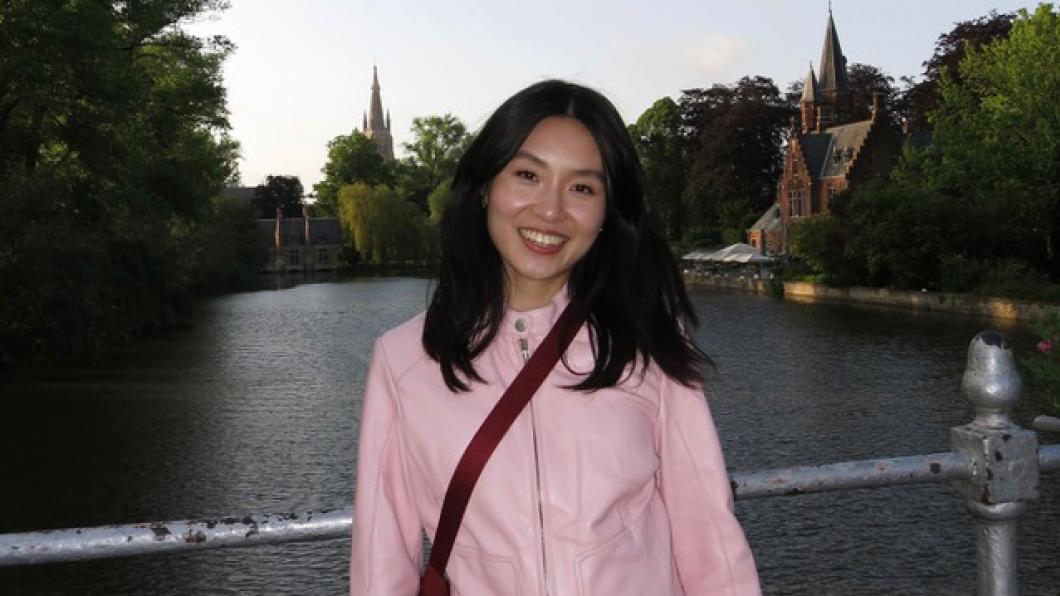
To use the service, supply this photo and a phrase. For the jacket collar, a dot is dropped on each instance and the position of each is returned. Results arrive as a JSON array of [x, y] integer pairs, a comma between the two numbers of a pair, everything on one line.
[[536, 322]]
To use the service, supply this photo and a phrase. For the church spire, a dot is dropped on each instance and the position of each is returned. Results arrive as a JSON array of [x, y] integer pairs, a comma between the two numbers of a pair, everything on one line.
[[809, 88], [833, 79], [375, 107], [377, 128]]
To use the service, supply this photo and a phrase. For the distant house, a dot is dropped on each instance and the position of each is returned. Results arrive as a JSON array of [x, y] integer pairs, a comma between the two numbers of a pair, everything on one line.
[[299, 244], [302, 244], [828, 152], [767, 234]]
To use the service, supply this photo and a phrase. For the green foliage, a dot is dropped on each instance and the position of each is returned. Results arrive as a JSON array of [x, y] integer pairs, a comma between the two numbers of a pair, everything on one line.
[[818, 242], [352, 158], [921, 97], [732, 236], [1044, 364], [382, 227], [1013, 278], [279, 192], [657, 137], [227, 249], [899, 234], [112, 142], [438, 142], [998, 132], [436, 201]]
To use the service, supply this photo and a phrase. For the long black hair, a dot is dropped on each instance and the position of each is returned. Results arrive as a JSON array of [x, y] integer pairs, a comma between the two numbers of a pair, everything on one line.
[[627, 285]]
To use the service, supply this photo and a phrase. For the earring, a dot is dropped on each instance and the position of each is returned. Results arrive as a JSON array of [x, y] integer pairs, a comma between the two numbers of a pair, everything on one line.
[[485, 199]]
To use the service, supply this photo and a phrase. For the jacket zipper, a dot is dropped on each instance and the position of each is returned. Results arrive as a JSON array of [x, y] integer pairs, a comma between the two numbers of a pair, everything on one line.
[[524, 349]]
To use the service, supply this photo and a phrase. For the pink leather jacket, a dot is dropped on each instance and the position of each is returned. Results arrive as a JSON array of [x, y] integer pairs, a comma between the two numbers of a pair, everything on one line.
[[618, 492]]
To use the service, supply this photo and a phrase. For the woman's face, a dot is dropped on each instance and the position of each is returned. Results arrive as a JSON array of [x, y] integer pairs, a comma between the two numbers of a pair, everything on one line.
[[545, 208]]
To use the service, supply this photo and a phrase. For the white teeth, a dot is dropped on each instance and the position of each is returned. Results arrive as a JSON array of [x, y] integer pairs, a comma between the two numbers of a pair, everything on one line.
[[542, 238]]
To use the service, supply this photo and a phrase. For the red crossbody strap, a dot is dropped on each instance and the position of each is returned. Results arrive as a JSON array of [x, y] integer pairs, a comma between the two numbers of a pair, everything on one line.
[[493, 429]]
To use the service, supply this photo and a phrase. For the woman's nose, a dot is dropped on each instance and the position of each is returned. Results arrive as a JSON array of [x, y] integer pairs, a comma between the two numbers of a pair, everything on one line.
[[549, 204]]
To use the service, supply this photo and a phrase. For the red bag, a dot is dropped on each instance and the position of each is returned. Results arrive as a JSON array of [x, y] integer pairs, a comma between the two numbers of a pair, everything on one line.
[[485, 441]]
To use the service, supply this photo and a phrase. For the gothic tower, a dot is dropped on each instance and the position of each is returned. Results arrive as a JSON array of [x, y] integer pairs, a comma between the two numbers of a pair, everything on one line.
[[373, 124], [826, 97]]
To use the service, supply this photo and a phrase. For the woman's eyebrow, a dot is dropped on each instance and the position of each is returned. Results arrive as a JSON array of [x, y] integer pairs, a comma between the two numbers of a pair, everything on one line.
[[591, 172], [527, 155], [581, 172]]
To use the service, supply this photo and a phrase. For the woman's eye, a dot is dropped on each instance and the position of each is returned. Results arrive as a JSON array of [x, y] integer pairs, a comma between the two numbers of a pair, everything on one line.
[[526, 175], [583, 189]]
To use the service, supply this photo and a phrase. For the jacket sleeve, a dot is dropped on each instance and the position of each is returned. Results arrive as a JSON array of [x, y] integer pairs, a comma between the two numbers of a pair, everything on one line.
[[710, 549], [387, 535]]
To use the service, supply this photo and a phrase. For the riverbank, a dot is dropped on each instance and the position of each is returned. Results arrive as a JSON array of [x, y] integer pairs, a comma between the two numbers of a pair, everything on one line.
[[981, 306]]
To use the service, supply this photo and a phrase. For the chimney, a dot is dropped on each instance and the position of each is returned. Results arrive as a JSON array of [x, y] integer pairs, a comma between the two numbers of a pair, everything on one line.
[[877, 104]]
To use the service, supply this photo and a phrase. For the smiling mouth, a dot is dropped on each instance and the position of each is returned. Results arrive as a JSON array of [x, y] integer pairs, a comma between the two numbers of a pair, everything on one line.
[[541, 238]]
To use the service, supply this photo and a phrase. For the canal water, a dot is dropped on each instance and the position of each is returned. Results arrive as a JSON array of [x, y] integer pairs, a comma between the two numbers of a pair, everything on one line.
[[255, 409]]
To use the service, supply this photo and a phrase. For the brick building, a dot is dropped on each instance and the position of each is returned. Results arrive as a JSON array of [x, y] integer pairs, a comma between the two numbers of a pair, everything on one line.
[[827, 152]]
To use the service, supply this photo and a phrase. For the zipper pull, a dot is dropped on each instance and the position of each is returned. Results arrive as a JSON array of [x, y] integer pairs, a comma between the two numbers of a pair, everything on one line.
[[524, 348]]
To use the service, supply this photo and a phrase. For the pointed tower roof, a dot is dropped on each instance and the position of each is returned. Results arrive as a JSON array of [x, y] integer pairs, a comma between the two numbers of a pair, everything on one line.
[[809, 88], [833, 64], [375, 107]]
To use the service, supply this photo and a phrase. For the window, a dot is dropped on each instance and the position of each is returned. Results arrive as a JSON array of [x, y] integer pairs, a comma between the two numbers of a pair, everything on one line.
[[293, 257], [322, 255], [795, 197], [831, 194]]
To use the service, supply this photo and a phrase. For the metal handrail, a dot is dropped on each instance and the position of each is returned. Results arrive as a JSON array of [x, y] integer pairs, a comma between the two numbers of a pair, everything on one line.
[[995, 465]]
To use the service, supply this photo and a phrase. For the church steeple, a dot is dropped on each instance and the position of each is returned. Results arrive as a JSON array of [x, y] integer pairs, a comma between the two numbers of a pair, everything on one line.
[[831, 99], [375, 127], [833, 79]]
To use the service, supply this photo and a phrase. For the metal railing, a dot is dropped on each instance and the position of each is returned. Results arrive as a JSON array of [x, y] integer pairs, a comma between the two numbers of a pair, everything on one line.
[[995, 465]]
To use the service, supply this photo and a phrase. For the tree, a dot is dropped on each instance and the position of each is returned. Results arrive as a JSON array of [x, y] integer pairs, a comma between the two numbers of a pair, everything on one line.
[[279, 192], [818, 242], [436, 202], [352, 158], [113, 137], [438, 142], [997, 132], [657, 137], [898, 235], [865, 82], [229, 248], [921, 97], [383, 227], [735, 160]]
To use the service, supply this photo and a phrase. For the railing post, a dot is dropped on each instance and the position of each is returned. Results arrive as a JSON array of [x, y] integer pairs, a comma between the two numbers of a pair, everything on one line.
[[1004, 461]]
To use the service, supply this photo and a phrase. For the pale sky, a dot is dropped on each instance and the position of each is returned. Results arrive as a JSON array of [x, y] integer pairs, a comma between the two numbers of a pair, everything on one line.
[[302, 70]]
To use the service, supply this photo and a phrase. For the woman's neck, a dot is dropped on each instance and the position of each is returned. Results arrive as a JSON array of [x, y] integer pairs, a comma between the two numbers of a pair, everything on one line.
[[532, 295]]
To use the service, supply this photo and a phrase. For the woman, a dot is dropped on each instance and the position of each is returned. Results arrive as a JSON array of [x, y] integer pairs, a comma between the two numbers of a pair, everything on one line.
[[611, 481]]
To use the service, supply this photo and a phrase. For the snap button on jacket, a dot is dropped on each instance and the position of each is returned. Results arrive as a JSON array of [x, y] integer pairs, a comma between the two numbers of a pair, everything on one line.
[[621, 491]]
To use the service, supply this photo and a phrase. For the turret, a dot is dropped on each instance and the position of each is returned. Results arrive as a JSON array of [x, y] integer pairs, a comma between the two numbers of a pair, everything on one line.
[[808, 103]]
